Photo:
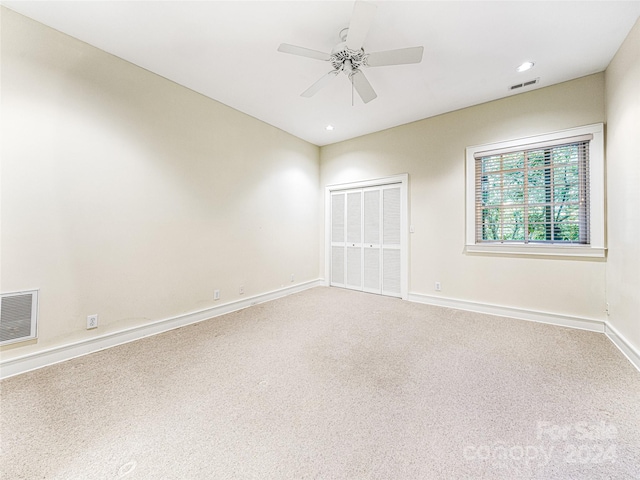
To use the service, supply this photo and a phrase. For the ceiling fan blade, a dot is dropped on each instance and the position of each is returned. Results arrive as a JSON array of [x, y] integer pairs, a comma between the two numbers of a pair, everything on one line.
[[362, 86], [395, 57], [304, 52], [361, 20], [323, 82]]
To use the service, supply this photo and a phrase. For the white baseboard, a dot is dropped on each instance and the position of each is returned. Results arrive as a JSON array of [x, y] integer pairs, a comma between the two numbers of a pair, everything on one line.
[[36, 360], [623, 345], [511, 312], [601, 326], [57, 354]]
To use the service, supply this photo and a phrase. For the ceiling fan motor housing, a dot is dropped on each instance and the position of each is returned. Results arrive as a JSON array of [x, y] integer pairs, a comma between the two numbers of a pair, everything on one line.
[[352, 59]]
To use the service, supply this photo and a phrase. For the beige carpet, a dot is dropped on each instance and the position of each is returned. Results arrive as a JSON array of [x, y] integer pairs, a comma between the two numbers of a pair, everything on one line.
[[332, 384]]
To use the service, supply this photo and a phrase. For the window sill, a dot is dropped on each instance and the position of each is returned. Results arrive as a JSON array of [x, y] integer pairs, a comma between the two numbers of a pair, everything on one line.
[[539, 250]]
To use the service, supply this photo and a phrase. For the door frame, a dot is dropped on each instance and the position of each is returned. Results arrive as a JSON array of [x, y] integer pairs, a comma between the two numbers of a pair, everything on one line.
[[400, 179]]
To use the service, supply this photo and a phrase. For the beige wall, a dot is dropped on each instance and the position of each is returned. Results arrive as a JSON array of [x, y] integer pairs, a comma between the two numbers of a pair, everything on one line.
[[623, 187], [432, 152], [126, 195]]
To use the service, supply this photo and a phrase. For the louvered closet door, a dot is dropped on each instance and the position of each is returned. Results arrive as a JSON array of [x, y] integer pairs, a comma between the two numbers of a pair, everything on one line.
[[391, 251], [338, 235], [366, 240], [354, 240], [372, 255]]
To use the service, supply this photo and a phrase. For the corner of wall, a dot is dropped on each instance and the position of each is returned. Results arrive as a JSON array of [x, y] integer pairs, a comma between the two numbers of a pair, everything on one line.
[[622, 109]]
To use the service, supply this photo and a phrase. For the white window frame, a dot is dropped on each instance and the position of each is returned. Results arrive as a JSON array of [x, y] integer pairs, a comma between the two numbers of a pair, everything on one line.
[[596, 248]]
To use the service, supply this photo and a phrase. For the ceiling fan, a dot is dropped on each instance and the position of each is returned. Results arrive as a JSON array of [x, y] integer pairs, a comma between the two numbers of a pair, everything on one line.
[[349, 57]]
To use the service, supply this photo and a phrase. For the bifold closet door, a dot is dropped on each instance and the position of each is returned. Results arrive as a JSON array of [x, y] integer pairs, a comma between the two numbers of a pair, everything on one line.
[[391, 241], [372, 251], [366, 239], [338, 236], [354, 240]]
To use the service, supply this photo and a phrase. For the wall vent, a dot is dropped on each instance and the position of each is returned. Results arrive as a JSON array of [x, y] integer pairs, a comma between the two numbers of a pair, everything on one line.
[[18, 316], [524, 84]]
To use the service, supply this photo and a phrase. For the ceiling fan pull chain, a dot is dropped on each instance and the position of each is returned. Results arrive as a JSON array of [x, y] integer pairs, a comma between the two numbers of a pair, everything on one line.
[[352, 87]]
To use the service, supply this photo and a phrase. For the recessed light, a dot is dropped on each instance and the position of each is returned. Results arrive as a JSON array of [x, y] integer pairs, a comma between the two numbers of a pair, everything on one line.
[[329, 127], [525, 66]]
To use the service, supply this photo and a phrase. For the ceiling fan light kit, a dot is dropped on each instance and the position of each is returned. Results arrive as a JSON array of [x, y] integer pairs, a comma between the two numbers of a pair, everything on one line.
[[349, 57]]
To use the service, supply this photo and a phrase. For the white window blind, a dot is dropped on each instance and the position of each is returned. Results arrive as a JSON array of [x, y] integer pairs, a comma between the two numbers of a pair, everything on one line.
[[534, 194]]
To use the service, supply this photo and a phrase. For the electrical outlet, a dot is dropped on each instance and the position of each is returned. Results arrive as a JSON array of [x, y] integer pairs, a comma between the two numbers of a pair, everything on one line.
[[241, 289], [438, 287], [293, 277], [607, 310], [216, 294], [92, 321]]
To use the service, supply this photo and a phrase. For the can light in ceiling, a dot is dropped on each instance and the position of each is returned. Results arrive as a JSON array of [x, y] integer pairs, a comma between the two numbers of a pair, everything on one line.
[[329, 127], [525, 66]]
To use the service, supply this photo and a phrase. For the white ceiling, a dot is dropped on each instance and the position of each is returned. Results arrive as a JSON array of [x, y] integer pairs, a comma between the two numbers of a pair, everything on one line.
[[227, 51]]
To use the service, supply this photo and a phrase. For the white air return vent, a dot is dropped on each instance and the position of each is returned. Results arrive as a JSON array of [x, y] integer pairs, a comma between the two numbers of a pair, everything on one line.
[[18, 314], [524, 84]]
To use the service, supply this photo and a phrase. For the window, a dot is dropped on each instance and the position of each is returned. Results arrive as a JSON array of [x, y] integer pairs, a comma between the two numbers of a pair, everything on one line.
[[541, 195]]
